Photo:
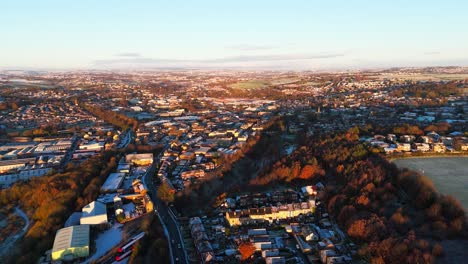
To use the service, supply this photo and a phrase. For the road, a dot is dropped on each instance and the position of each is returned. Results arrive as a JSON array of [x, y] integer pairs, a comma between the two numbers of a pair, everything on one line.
[[175, 237], [127, 139], [10, 241], [69, 154]]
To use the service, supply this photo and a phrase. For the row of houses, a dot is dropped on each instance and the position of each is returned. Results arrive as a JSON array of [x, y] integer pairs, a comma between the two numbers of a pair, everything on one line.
[[270, 213], [200, 238], [431, 142]]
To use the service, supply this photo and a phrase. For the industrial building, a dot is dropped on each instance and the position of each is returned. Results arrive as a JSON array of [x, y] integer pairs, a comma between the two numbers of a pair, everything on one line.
[[94, 213], [71, 243], [113, 182], [144, 159]]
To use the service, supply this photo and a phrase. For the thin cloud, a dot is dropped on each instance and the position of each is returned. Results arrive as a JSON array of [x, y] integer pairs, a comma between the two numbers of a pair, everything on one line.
[[128, 54], [136, 60], [127, 60], [432, 53], [278, 57]]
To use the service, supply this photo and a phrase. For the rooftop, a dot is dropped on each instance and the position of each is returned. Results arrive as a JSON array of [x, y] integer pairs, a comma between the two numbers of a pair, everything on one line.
[[94, 208], [71, 237], [113, 182]]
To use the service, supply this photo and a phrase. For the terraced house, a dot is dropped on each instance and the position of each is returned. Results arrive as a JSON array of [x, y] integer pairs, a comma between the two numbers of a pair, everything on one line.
[[269, 214]]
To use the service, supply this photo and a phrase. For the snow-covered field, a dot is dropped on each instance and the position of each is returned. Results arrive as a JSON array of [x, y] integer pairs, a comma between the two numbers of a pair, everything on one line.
[[449, 174]]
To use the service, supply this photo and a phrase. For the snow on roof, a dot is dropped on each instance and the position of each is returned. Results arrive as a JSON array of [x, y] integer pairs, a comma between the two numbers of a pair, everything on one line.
[[113, 182], [94, 208], [74, 219]]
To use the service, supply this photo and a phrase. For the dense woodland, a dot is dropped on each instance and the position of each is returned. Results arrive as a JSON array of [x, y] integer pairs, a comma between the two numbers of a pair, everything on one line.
[[233, 172], [395, 215], [432, 90], [49, 201], [153, 246], [117, 119]]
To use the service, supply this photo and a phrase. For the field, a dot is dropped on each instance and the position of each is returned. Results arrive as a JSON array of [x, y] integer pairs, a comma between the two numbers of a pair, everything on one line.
[[449, 174], [251, 84], [283, 81], [425, 76]]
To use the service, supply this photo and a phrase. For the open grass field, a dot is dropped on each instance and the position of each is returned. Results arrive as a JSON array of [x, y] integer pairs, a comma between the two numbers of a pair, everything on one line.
[[449, 174], [251, 84], [283, 81], [425, 77]]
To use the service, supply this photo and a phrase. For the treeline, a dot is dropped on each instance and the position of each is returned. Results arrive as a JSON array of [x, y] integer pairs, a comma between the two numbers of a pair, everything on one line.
[[10, 105], [153, 247], [234, 171], [117, 119], [395, 215], [50, 200], [288, 170], [140, 148], [431, 90], [442, 128]]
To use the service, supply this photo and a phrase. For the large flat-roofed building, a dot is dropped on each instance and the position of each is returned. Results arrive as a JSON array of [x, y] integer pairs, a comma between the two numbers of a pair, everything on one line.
[[123, 168], [92, 146], [7, 165], [71, 243], [113, 182], [94, 213], [143, 159]]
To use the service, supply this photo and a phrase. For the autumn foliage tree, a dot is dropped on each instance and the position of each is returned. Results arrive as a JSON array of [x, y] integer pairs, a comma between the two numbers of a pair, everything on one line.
[[114, 118], [49, 200], [246, 249], [165, 193], [392, 213]]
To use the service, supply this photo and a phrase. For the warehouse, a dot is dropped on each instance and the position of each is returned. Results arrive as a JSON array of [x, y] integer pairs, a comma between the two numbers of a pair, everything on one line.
[[113, 182], [7, 165], [94, 213], [144, 159], [71, 243]]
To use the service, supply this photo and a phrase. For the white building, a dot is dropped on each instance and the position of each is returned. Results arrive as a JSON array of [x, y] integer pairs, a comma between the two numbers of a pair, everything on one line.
[[94, 213], [275, 260], [113, 182], [92, 146]]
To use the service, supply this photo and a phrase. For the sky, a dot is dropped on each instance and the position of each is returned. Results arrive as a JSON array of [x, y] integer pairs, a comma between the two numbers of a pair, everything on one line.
[[292, 34]]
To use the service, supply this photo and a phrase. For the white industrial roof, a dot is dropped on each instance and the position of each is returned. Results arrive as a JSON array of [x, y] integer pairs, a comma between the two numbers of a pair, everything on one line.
[[113, 182], [94, 208]]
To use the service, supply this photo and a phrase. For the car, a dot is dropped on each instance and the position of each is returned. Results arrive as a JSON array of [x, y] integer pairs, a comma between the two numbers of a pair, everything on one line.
[[177, 259], [173, 241], [178, 246]]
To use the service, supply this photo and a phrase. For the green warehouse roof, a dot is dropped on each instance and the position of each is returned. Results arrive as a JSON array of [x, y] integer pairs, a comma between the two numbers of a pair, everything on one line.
[[69, 238]]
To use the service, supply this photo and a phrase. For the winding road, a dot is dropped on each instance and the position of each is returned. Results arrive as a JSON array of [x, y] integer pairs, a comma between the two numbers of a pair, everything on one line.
[[176, 241], [10, 241]]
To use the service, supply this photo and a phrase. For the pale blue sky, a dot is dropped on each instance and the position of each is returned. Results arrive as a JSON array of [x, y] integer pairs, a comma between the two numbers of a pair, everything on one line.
[[289, 34]]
